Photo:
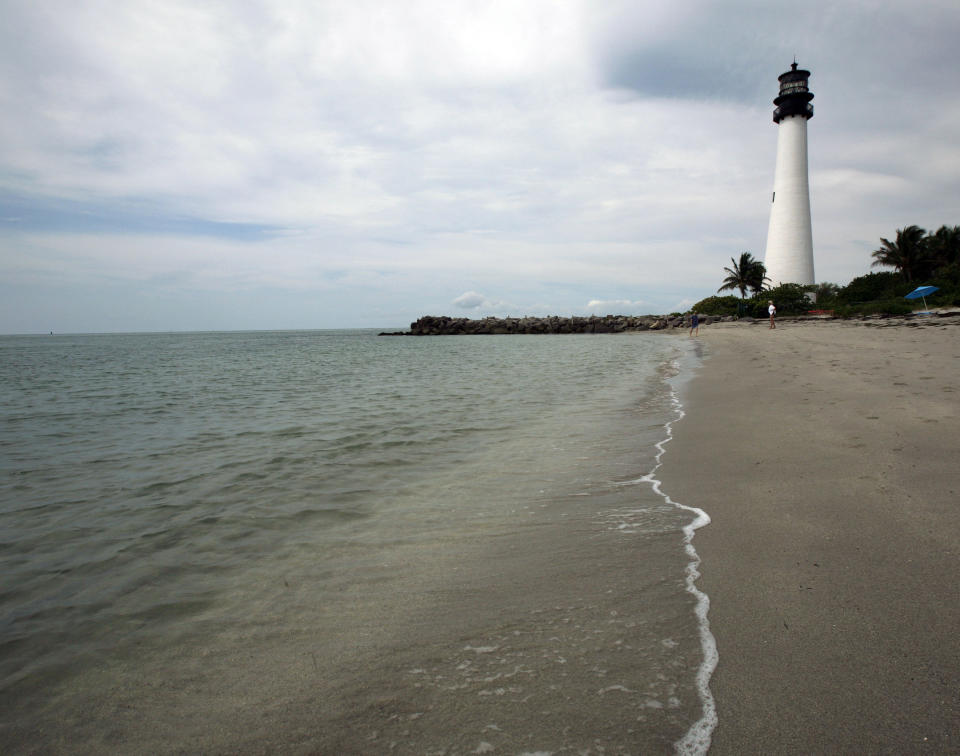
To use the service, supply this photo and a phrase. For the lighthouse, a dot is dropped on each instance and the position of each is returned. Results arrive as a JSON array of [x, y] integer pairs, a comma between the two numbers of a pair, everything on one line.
[[789, 255]]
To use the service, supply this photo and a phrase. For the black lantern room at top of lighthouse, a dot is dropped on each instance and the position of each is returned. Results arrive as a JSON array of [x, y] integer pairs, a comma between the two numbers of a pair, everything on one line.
[[795, 96]]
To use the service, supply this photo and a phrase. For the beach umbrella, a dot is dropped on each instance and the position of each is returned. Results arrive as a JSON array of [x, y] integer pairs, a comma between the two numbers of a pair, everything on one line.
[[921, 293]]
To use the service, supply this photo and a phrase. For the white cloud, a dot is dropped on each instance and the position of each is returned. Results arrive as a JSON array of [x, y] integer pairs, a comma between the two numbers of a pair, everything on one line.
[[547, 152], [617, 307], [469, 300]]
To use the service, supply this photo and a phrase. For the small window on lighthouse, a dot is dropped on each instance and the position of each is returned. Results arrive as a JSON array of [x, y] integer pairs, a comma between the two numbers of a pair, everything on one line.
[[774, 197]]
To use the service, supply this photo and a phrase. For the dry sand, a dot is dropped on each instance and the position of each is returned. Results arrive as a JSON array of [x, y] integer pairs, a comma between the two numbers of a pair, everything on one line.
[[826, 454]]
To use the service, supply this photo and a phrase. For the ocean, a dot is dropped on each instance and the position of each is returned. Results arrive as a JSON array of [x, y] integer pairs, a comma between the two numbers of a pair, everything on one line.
[[337, 542]]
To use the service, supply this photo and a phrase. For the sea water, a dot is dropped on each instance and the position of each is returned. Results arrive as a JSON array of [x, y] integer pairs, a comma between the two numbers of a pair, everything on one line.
[[339, 542]]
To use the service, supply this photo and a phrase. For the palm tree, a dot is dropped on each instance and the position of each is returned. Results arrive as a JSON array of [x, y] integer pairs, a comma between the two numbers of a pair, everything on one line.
[[944, 246], [825, 291], [908, 253], [757, 277], [746, 274]]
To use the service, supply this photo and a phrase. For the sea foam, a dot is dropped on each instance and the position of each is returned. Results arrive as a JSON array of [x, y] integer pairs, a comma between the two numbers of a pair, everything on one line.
[[696, 741]]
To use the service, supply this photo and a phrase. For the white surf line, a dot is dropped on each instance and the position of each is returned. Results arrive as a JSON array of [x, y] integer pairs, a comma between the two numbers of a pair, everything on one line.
[[696, 742]]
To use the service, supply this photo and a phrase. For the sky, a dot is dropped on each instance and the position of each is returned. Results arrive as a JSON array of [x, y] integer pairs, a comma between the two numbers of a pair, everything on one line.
[[171, 165]]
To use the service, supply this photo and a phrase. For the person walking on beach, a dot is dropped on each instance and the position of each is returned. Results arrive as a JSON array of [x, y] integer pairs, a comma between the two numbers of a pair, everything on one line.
[[773, 311], [694, 323]]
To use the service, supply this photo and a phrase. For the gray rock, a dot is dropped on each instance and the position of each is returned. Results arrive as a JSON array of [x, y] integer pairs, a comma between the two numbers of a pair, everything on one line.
[[442, 325]]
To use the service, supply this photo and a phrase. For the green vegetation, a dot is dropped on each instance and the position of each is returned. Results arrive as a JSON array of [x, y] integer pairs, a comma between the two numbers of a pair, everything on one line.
[[790, 299], [746, 274], [873, 287], [918, 255], [918, 259], [728, 305]]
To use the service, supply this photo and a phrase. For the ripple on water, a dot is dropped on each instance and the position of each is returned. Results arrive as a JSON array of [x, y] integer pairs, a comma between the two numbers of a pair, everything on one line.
[[192, 509]]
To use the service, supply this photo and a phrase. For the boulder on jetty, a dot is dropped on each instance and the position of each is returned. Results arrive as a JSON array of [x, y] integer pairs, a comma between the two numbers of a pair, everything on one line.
[[442, 325]]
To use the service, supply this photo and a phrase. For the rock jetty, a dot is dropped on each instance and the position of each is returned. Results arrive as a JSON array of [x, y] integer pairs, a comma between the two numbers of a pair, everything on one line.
[[434, 325]]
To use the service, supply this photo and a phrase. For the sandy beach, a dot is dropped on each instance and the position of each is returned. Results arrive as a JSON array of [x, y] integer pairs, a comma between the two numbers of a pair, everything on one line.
[[826, 456]]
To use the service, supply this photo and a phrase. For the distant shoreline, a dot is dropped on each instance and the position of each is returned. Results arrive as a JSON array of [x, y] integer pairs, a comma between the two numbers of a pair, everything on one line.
[[443, 325]]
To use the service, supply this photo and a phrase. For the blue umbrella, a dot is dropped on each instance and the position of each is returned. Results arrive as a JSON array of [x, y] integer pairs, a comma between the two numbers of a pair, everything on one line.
[[921, 293]]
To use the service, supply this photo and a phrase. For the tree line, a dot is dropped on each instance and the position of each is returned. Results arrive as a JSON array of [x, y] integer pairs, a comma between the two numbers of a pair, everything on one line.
[[917, 258], [917, 254]]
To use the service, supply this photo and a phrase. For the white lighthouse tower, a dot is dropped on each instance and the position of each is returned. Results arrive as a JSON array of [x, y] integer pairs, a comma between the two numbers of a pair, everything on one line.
[[789, 255]]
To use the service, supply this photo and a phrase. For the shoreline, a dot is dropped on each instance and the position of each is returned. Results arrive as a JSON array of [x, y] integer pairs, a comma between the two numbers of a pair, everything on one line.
[[823, 452], [431, 325]]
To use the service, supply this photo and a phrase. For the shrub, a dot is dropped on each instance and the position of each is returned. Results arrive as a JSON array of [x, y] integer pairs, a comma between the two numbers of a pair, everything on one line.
[[717, 306], [825, 293], [884, 293], [874, 287], [877, 307], [948, 279], [789, 299]]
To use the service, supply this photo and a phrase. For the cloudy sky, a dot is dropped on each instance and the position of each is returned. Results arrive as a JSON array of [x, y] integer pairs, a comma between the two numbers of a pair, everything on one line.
[[205, 165]]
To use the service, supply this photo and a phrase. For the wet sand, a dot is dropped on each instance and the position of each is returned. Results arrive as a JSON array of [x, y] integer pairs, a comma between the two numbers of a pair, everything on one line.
[[826, 454]]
